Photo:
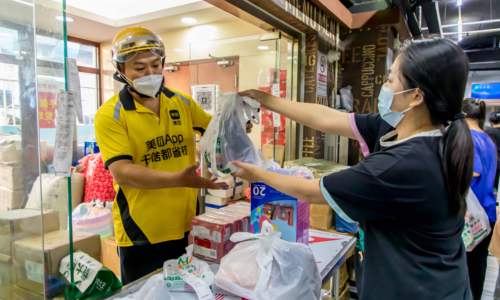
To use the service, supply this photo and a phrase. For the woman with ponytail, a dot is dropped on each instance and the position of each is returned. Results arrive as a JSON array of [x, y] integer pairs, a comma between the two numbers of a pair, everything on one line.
[[482, 185], [408, 194]]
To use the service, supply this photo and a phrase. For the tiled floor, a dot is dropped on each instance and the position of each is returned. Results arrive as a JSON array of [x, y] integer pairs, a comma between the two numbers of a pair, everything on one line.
[[491, 278]]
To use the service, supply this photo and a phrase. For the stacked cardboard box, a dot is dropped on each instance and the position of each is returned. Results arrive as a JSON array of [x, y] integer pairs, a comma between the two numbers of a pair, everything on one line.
[[11, 179], [21, 223], [16, 225], [211, 231], [109, 255], [31, 261], [221, 198], [11, 186], [321, 216]]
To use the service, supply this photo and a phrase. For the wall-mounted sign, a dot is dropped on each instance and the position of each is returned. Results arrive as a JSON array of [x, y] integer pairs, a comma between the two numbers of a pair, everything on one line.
[[486, 90], [322, 76]]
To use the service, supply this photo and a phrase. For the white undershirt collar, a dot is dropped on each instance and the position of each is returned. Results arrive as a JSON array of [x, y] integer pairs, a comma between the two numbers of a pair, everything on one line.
[[385, 141]]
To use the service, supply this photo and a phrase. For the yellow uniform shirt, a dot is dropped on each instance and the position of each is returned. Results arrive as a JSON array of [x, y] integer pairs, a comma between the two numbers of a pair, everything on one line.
[[125, 129]]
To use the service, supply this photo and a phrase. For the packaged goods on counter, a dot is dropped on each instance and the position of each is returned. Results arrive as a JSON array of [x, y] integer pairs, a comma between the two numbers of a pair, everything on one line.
[[235, 191], [98, 180], [22, 223], [287, 214], [92, 280], [318, 167], [263, 266], [93, 218], [211, 231], [55, 194], [30, 260], [225, 139], [186, 273]]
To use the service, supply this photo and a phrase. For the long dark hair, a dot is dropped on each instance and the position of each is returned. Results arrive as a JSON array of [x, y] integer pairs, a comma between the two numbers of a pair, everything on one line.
[[439, 68], [475, 110]]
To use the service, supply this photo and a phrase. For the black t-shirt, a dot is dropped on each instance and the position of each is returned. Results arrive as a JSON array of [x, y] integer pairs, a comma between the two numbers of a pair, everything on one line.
[[413, 244]]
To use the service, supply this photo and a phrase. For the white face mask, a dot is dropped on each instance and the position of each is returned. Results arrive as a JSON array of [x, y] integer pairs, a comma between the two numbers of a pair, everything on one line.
[[148, 85]]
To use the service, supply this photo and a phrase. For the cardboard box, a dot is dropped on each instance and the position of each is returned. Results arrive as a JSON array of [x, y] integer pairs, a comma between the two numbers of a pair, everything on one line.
[[109, 255], [29, 258], [10, 199], [321, 216], [21, 223], [288, 215], [18, 293], [6, 280], [11, 177]]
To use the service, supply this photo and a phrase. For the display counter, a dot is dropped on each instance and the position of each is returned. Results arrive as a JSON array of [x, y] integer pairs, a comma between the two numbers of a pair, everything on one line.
[[330, 251]]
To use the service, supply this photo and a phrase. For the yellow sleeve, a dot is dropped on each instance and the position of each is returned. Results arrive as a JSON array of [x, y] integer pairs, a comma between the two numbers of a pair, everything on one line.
[[200, 117], [112, 139]]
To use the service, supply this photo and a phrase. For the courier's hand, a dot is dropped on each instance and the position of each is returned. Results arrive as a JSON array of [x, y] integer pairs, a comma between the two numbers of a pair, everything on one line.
[[248, 172], [188, 178]]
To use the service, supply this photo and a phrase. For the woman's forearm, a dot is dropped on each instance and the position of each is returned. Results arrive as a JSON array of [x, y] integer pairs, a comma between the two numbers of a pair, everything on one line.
[[312, 115]]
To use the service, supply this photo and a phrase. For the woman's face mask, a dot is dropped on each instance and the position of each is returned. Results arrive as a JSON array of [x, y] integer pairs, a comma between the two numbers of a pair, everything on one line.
[[385, 100]]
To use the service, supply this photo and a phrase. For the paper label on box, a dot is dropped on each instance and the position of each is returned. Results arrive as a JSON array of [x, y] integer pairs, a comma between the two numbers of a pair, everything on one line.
[[85, 267], [34, 271], [210, 253]]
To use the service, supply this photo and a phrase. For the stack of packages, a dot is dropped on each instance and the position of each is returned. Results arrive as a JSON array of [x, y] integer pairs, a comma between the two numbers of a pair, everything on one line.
[[220, 198], [211, 231], [11, 179], [321, 214], [16, 225]]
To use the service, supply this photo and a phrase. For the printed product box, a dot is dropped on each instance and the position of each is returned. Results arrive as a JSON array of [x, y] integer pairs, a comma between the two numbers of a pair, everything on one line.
[[287, 214]]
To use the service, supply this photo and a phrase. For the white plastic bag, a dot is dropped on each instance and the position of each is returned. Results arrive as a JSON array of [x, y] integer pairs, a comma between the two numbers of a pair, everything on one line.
[[93, 218], [225, 139], [262, 266], [477, 225], [153, 289], [346, 98], [54, 193], [189, 274]]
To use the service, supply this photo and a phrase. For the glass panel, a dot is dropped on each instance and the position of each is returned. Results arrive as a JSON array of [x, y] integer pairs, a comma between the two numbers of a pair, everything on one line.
[[51, 48], [21, 253], [256, 64], [9, 94], [89, 86], [85, 55], [8, 41]]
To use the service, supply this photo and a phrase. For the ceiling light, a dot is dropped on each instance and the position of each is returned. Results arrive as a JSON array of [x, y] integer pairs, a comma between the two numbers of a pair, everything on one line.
[[459, 2], [68, 19], [263, 47], [189, 20]]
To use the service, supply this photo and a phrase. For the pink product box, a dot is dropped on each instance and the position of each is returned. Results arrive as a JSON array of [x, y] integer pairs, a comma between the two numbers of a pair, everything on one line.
[[211, 251]]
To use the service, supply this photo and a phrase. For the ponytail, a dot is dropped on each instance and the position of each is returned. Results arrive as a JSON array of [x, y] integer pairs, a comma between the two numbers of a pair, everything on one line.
[[476, 110], [482, 114], [457, 160], [443, 89]]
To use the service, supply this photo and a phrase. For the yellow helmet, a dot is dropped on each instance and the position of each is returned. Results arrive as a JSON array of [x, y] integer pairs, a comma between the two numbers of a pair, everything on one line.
[[130, 41]]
